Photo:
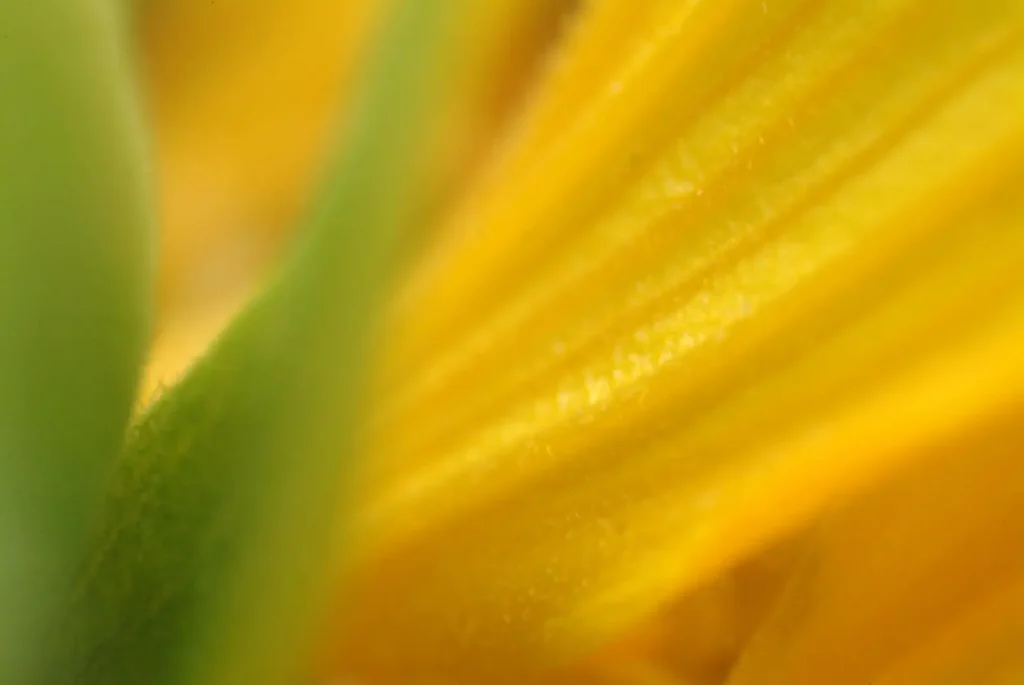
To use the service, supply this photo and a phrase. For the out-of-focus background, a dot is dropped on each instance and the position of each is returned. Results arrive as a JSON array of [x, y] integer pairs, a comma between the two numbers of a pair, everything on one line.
[[243, 96]]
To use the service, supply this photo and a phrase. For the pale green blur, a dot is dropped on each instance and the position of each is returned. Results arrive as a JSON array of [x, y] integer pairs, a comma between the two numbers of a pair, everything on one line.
[[75, 273]]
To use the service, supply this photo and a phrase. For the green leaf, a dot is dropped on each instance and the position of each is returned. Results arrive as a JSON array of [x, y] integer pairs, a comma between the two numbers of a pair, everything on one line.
[[75, 280], [220, 535]]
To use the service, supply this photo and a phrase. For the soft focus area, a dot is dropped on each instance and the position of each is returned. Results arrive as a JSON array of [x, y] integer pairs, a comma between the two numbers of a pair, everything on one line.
[[243, 100], [511, 342]]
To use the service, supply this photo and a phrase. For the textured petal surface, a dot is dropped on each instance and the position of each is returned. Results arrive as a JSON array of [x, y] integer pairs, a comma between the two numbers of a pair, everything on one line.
[[767, 262]]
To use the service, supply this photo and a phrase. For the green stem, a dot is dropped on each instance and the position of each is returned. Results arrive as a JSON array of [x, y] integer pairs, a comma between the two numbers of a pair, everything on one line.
[[75, 280], [218, 539]]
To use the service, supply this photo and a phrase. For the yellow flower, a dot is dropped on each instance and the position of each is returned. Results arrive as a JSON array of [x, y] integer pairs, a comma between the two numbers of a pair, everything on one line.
[[712, 372]]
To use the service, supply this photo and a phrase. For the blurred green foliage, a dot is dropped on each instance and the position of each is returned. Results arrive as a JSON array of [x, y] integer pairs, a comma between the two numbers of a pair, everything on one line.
[[75, 273], [217, 539]]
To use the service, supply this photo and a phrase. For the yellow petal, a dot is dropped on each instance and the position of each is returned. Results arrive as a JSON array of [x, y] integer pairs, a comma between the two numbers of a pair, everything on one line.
[[982, 646], [636, 111], [771, 265], [899, 565], [698, 638], [627, 672], [705, 631], [769, 149], [602, 36]]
